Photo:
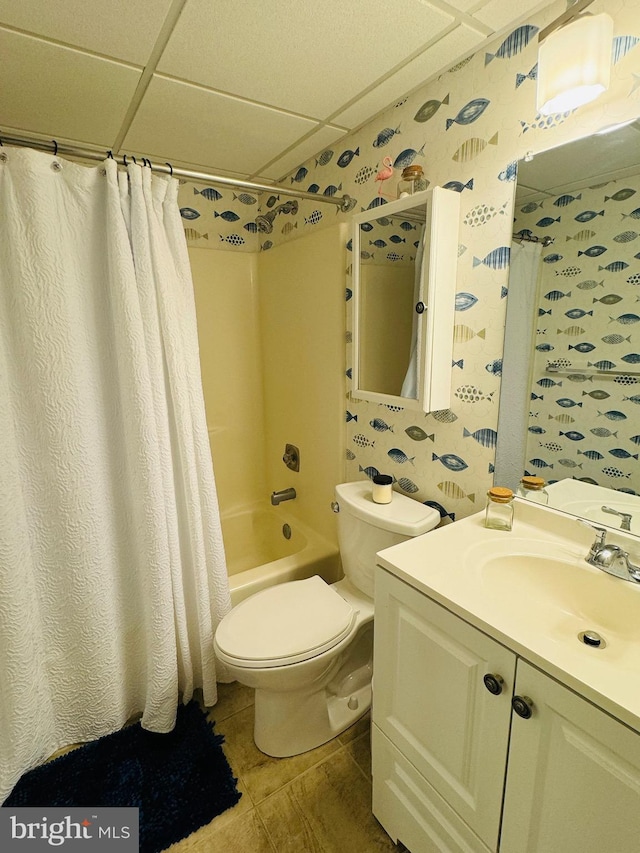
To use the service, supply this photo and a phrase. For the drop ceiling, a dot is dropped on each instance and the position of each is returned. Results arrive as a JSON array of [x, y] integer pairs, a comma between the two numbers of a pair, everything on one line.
[[246, 89]]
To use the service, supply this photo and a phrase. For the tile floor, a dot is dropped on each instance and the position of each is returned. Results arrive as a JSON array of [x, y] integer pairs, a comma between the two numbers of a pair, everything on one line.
[[318, 802]]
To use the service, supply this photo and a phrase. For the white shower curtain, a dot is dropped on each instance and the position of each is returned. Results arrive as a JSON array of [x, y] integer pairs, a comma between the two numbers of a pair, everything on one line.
[[112, 571], [519, 339], [410, 383]]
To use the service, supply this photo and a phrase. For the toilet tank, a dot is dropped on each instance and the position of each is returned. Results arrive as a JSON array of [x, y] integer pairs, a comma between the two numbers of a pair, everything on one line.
[[365, 527]]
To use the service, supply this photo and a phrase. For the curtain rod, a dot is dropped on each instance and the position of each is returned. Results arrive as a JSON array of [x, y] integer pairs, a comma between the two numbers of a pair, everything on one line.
[[344, 202], [530, 238]]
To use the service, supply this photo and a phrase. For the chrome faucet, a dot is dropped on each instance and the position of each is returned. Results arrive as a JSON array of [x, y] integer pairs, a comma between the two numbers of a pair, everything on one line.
[[610, 558], [282, 495], [625, 523]]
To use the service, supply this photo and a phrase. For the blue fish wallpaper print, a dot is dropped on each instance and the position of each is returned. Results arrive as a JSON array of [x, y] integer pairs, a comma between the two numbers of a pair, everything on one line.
[[602, 302], [467, 129]]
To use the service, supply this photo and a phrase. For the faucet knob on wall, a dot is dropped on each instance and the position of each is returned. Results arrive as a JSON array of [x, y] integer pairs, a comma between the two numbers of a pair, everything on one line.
[[291, 457]]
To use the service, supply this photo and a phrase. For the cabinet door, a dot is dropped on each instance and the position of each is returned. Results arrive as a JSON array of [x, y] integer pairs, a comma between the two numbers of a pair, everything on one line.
[[573, 778], [431, 702]]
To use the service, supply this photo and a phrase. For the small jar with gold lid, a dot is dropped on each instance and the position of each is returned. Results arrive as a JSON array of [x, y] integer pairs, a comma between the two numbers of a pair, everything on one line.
[[499, 512], [532, 489], [412, 181]]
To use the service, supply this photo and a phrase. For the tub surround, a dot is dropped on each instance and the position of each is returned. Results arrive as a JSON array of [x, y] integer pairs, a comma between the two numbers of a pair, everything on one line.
[[301, 302], [259, 556], [271, 334], [225, 289]]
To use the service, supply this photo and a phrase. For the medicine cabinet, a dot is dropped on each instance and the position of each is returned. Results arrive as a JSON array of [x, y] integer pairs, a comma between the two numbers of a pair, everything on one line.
[[404, 274]]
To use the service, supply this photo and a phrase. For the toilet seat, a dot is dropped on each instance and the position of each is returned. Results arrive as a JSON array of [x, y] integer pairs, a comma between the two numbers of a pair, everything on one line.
[[285, 624]]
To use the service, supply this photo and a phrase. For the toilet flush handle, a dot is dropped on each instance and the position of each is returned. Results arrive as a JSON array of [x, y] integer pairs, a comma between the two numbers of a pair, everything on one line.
[[335, 506]]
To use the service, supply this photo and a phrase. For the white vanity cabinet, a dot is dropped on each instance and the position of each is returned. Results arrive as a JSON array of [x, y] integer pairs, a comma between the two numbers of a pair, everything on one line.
[[447, 752], [573, 775]]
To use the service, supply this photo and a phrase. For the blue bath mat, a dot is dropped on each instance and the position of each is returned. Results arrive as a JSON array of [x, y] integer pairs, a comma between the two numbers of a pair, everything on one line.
[[180, 780]]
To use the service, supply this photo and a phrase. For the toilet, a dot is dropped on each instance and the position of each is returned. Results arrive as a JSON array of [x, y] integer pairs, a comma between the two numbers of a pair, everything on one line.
[[307, 646]]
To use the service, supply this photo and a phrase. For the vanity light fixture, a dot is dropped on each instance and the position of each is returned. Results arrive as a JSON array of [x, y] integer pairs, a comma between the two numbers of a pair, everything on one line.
[[574, 59]]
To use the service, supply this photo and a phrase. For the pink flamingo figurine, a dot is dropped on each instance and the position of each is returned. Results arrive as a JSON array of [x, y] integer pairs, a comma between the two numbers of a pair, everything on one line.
[[385, 173]]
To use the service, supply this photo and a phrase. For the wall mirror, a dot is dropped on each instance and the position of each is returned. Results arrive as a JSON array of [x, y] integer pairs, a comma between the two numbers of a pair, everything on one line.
[[570, 398], [404, 269]]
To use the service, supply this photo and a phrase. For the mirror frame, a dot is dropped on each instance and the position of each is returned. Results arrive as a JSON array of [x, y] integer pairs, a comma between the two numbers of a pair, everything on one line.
[[437, 292]]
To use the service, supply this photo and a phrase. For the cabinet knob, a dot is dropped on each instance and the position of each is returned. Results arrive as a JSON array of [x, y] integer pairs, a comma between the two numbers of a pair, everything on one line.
[[523, 706], [493, 683], [420, 306]]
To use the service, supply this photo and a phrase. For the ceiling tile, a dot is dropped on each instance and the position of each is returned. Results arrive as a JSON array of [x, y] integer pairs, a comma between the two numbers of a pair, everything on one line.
[[464, 5], [115, 28], [302, 57], [316, 143], [498, 14], [63, 92], [444, 53], [183, 122]]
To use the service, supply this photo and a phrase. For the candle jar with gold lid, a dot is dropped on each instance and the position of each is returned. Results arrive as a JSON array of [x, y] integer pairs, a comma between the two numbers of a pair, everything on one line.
[[412, 181]]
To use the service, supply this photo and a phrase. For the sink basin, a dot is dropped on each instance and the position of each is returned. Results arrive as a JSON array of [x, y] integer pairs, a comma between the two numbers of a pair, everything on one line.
[[557, 589]]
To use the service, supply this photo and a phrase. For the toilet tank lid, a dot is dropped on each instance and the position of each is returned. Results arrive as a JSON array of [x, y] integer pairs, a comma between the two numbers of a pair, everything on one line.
[[403, 515]]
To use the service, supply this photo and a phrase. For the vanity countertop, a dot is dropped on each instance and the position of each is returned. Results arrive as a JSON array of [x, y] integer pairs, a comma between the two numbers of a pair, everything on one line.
[[532, 590]]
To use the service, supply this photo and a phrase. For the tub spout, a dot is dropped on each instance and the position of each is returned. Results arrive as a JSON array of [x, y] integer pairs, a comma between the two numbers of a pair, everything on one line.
[[282, 495]]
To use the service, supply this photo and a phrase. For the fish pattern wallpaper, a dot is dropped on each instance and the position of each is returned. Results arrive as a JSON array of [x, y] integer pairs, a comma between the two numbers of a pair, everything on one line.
[[467, 129], [585, 391], [387, 241]]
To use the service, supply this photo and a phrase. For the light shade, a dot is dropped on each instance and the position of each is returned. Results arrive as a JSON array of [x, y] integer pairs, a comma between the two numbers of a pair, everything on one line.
[[574, 64]]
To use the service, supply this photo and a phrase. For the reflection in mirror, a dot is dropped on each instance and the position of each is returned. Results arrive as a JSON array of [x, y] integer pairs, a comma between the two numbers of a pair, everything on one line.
[[578, 379], [598, 504], [390, 278], [405, 258]]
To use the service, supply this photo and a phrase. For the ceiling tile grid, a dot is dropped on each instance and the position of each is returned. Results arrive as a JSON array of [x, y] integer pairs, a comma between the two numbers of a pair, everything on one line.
[[208, 127], [245, 89], [497, 14], [301, 57], [455, 43], [314, 144], [63, 92], [112, 29]]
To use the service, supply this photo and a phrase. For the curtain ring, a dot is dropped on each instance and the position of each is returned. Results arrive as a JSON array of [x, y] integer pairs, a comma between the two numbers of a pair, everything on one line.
[[110, 155], [134, 159], [149, 163], [124, 158], [55, 148], [170, 167]]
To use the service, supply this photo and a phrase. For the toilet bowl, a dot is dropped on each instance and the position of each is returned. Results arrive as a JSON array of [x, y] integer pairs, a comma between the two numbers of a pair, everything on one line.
[[307, 646]]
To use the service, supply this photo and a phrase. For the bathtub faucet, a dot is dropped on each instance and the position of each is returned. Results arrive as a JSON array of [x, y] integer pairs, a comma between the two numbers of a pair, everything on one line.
[[282, 495]]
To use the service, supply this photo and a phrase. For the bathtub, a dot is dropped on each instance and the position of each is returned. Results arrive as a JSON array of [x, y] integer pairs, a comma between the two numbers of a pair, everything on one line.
[[259, 555]]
